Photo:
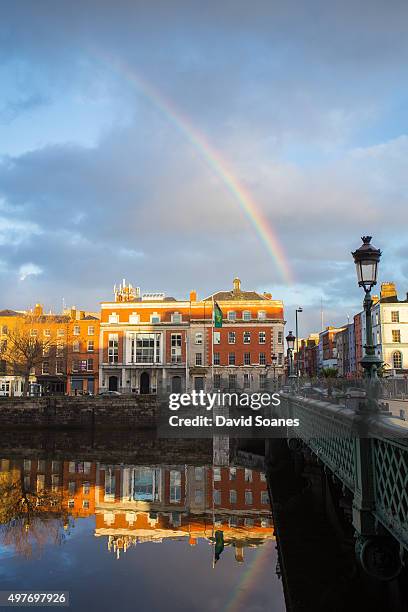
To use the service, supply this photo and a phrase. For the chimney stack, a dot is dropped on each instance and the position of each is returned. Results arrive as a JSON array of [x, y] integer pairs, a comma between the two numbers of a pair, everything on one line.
[[38, 310], [388, 290]]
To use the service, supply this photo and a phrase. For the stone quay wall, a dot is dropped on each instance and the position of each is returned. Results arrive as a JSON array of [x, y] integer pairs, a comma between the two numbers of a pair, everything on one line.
[[65, 412]]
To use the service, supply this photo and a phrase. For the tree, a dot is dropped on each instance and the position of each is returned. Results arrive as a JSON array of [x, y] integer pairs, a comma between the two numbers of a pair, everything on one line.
[[28, 520], [329, 372], [25, 351], [3, 361]]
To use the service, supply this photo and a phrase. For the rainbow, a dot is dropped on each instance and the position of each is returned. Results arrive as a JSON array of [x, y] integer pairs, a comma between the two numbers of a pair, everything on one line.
[[240, 593], [214, 160]]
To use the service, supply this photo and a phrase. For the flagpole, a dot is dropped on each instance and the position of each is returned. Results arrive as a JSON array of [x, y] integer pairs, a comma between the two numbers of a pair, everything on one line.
[[213, 517], [187, 347], [212, 344]]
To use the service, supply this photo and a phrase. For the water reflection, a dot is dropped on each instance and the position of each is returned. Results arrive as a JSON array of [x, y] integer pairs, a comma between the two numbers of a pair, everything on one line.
[[150, 504], [132, 504], [62, 521]]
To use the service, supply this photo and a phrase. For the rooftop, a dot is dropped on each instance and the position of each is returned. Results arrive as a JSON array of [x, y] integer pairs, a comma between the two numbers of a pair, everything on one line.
[[237, 294]]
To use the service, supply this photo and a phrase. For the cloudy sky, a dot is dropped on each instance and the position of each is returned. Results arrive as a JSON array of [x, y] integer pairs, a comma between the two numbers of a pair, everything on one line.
[[103, 106]]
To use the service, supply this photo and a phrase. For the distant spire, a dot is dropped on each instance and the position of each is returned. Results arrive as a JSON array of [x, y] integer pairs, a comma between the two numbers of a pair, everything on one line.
[[321, 314]]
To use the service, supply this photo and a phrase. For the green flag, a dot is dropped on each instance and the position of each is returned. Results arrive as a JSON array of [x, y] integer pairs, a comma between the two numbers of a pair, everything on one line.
[[219, 545], [217, 314]]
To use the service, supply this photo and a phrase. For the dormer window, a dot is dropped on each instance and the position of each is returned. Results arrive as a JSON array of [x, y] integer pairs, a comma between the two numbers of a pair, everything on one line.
[[176, 317], [113, 318], [155, 318], [231, 315], [134, 318]]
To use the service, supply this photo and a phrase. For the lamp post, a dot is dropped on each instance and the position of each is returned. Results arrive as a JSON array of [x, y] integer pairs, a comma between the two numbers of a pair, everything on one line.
[[290, 341], [366, 259], [300, 309], [274, 360]]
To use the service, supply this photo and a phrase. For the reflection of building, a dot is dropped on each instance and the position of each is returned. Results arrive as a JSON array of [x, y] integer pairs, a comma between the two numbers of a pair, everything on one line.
[[139, 504], [42, 475], [71, 483], [134, 504], [152, 342], [79, 487]]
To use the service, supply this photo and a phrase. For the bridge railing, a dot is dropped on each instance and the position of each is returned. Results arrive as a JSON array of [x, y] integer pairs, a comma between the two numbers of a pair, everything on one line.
[[367, 452]]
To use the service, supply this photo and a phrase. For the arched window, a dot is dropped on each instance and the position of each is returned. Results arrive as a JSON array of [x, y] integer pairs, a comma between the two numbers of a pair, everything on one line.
[[397, 359]]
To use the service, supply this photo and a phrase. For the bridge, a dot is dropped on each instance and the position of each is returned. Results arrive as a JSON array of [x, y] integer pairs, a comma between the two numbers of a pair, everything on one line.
[[366, 452]]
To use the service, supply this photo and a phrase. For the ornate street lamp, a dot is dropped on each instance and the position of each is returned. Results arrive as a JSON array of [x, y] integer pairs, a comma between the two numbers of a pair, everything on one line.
[[274, 360], [290, 341], [298, 310], [366, 259]]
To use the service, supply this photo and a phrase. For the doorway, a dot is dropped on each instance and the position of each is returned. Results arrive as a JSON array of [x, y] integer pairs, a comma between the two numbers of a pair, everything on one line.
[[176, 384], [113, 383], [199, 383], [144, 383]]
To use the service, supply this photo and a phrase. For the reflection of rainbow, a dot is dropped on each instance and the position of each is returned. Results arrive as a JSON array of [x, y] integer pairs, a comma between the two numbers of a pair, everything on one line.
[[214, 161], [240, 592]]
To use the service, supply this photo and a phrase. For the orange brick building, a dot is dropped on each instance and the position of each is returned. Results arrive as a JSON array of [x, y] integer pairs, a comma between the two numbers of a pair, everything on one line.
[[70, 359], [152, 342]]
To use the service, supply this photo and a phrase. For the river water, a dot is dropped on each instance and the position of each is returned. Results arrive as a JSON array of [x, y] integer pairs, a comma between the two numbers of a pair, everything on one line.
[[125, 536]]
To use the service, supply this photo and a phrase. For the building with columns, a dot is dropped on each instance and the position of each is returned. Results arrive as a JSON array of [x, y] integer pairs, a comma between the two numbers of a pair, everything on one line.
[[151, 342]]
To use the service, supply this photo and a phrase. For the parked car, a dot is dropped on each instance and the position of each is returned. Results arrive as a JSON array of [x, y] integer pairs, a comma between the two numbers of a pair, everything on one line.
[[108, 393]]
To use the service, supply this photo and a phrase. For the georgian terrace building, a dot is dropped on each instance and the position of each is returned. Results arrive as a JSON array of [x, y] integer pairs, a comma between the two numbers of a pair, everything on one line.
[[390, 331], [151, 342], [69, 361]]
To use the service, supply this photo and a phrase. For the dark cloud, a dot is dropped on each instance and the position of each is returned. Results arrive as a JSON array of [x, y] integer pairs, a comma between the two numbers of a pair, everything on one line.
[[299, 99]]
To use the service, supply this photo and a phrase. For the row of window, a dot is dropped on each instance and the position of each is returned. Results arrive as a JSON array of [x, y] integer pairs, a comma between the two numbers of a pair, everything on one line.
[[217, 474], [395, 317], [233, 361], [396, 336], [41, 463], [85, 504], [90, 346], [61, 332], [233, 497], [76, 347], [74, 487], [234, 521], [177, 317], [146, 348], [246, 337], [40, 484], [78, 365], [232, 381]]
